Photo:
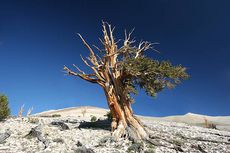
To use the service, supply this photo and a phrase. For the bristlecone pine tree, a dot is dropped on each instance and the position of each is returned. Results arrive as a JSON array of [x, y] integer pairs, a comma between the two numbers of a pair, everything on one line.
[[120, 68], [4, 108]]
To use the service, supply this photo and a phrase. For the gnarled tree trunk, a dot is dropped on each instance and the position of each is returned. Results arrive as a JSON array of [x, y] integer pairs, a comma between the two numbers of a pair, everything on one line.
[[124, 123]]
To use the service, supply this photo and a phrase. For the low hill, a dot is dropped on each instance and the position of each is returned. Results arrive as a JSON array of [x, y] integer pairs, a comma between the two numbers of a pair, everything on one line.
[[85, 111]]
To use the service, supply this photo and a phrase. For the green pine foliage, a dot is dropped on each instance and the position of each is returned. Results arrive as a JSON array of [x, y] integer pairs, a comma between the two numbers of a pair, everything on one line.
[[4, 108], [108, 116], [151, 75], [93, 119]]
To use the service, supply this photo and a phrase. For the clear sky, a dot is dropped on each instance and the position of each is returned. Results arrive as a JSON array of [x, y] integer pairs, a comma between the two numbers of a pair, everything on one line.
[[38, 37]]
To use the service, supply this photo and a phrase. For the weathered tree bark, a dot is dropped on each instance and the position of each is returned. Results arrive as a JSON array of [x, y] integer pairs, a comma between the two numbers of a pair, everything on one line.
[[107, 74], [123, 117]]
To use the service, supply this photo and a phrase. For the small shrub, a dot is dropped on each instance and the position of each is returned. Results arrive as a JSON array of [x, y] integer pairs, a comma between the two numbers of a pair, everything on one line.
[[135, 147], [150, 151], [93, 119], [212, 126], [150, 148], [4, 108], [108, 116], [56, 115], [44, 116], [177, 142], [209, 125], [33, 120], [58, 140]]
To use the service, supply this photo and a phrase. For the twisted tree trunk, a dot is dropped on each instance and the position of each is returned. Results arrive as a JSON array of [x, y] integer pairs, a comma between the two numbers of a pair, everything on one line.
[[124, 123]]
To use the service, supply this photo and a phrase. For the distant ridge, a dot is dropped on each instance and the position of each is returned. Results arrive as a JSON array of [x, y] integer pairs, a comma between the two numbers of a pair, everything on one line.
[[75, 111]]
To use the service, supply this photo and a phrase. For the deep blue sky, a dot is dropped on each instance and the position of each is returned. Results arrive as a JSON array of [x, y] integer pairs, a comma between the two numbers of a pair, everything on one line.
[[38, 37]]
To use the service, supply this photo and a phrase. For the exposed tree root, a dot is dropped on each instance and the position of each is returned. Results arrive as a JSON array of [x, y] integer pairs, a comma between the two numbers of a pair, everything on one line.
[[119, 132], [134, 132]]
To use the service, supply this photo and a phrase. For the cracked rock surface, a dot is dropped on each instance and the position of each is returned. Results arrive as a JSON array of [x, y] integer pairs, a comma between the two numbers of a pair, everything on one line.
[[63, 135]]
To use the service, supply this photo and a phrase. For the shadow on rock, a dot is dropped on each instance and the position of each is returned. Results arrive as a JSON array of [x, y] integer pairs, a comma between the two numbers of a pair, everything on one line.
[[99, 124]]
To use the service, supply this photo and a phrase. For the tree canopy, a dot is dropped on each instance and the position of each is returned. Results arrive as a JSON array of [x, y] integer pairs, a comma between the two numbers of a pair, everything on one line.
[[151, 75]]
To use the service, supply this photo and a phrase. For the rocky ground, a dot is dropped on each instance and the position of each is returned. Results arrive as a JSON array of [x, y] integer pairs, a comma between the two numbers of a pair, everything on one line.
[[73, 135]]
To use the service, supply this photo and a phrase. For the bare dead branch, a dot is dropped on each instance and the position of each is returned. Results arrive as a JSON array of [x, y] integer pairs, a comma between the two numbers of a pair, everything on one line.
[[111, 34], [143, 46], [78, 69], [92, 55], [86, 63], [20, 113], [29, 112], [97, 48], [128, 37], [100, 60], [83, 76]]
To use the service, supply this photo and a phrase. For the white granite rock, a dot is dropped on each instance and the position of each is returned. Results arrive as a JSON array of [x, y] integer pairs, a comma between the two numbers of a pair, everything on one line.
[[171, 137]]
